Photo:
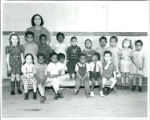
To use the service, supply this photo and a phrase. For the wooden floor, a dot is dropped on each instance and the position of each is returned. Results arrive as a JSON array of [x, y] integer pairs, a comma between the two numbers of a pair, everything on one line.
[[124, 103]]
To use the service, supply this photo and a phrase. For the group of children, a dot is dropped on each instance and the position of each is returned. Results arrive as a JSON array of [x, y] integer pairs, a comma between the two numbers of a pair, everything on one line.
[[39, 64]]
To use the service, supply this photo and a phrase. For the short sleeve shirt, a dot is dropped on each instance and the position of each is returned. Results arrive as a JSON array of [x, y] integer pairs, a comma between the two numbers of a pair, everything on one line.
[[98, 66], [54, 68], [79, 64], [108, 73]]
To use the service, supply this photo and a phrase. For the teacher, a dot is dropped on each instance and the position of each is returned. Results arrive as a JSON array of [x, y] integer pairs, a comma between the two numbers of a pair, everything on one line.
[[37, 28]]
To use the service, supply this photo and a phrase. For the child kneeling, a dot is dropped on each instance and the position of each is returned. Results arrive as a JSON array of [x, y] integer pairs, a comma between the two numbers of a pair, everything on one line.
[[109, 73], [28, 78], [82, 71]]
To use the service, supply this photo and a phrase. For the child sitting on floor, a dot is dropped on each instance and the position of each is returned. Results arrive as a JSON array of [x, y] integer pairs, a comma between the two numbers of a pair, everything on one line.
[[41, 76], [53, 73], [82, 71], [109, 73]]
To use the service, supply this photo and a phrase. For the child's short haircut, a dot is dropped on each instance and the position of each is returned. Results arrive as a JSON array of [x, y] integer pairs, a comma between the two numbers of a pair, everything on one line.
[[42, 35], [52, 54], [114, 37], [40, 54], [139, 41], [61, 56], [107, 52], [82, 54], [59, 33], [97, 54], [29, 33], [32, 20], [103, 37], [73, 38]]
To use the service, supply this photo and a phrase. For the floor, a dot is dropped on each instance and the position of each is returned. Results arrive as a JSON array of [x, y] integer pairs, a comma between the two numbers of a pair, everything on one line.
[[124, 103]]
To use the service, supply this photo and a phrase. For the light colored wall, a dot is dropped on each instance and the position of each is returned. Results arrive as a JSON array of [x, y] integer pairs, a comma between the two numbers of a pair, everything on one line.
[[83, 16], [79, 17]]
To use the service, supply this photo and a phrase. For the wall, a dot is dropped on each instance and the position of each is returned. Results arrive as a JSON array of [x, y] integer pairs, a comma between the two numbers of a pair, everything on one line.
[[77, 17]]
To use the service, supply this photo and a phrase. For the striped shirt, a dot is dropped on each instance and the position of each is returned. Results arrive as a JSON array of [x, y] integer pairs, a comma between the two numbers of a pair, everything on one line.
[[73, 52]]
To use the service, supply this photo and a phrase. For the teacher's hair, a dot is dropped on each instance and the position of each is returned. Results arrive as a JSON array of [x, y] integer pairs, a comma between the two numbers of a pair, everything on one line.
[[32, 19]]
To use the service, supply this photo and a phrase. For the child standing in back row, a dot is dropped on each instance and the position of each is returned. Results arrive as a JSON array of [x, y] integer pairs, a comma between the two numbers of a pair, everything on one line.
[[60, 46], [138, 64], [44, 48], [30, 46], [88, 50], [14, 60], [116, 52], [73, 53], [125, 62]]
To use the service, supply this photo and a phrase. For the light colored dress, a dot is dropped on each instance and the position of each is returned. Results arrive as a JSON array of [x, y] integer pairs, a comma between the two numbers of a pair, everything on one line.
[[28, 74], [138, 57], [116, 55], [59, 48], [37, 33], [125, 62]]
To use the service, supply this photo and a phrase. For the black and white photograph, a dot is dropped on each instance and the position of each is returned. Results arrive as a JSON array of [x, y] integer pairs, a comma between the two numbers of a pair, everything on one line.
[[75, 60]]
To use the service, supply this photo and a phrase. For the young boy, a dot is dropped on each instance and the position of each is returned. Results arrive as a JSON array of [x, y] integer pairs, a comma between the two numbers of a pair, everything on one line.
[[30, 46], [73, 53], [41, 76], [82, 70], [44, 48], [96, 73], [60, 46], [53, 73], [109, 72], [102, 48]]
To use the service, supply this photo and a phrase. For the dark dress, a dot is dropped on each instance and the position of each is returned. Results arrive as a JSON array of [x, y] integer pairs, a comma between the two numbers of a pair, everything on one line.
[[15, 58]]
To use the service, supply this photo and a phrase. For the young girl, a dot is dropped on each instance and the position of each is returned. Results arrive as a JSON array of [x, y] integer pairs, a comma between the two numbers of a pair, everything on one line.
[[14, 60], [54, 73], [82, 69], [41, 76], [88, 50], [125, 62], [60, 46], [73, 53], [28, 78], [96, 73], [37, 28], [138, 62], [44, 48], [30, 46]]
